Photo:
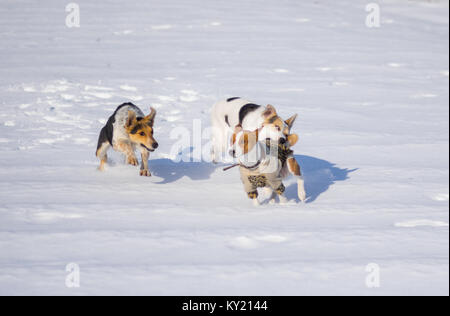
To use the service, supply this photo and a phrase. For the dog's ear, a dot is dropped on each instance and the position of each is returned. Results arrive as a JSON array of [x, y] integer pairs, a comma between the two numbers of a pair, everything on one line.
[[269, 112], [256, 134], [290, 122], [292, 139], [236, 131], [131, 120], [150, 119]]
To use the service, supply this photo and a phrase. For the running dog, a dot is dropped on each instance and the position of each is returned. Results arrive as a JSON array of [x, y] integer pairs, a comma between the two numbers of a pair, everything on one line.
[[226, 115], [127, 130], [264, 164]]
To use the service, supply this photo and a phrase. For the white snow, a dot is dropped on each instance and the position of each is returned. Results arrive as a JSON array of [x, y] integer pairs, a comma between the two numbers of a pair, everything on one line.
[[374, 147], [422, 223]]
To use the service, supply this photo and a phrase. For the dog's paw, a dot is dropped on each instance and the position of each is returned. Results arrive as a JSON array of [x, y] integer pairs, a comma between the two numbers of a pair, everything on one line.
[[145, 173], [283, 199], [132, 161], [256, 202], [302, 195], [101, 168], [301, 189], [253, 195]]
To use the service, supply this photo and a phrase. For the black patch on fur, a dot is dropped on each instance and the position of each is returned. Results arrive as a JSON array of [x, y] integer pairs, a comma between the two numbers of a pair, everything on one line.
[[122, 106], [106, 135], [246, 109], [227, 120], [232, 99], [281, 189], [107, 132], [136, 129], [273, 119]]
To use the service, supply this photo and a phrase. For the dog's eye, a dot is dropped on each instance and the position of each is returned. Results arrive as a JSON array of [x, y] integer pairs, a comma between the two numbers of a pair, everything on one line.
[[142, 134]]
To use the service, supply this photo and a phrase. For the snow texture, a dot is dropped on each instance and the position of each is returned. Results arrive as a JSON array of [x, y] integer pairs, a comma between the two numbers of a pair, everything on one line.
[[374, 147]]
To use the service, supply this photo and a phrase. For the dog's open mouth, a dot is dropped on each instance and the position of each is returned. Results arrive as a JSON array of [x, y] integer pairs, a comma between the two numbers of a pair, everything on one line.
[[150, 150]]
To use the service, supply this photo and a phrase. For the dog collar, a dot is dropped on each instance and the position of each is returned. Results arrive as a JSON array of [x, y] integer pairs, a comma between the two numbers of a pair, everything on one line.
[[283, 153], [258, 152], [251, 168]]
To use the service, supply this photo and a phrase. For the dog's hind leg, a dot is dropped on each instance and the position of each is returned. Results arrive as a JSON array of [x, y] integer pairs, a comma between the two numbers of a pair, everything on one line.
[[102, 154], [220, 136], [250, 188], [102, 147], [218, 144], [254, 197], [127, 149], [144, 163], [294, 168]]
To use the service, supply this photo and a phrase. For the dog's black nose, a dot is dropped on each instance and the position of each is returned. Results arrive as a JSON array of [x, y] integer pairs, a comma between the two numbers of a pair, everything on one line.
[[155, 145], [282, 141]]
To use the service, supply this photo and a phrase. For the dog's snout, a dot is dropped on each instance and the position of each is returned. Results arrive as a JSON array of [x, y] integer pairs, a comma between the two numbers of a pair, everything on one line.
[[282, 141], [155, 145]]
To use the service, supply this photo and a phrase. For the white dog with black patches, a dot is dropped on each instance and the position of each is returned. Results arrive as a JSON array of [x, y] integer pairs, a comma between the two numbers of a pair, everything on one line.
[[247, 116], [228, 114]]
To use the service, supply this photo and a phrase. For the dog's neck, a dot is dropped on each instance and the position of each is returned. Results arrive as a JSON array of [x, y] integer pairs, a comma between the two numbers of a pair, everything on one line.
[[254, 158]]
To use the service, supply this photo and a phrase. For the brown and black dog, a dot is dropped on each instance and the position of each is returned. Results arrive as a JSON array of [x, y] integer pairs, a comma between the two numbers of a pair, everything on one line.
[[128, 129]]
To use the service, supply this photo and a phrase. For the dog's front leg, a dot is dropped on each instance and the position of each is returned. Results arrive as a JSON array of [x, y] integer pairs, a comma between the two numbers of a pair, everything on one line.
[[254, 197], [272, 194], [294, 168], [250, 188], [144, 164], [278, 192], [127, 149]]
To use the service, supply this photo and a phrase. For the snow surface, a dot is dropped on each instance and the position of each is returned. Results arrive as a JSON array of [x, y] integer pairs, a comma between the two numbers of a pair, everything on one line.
[[374, 146]]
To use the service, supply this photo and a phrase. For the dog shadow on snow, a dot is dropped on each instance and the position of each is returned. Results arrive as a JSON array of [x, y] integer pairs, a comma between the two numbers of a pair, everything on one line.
[[171, 171], [319, 175]]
